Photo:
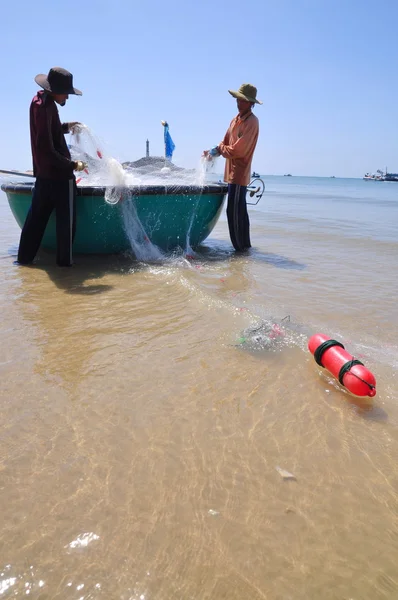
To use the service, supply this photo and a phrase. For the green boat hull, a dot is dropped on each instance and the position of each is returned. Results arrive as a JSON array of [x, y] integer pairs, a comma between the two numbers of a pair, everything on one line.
[[181, 218]]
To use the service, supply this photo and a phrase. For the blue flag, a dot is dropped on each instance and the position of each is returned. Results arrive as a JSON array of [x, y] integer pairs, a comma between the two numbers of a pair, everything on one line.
[[169, 145]]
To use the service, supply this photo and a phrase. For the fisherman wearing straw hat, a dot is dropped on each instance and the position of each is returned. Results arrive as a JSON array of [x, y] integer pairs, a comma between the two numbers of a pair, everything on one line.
[[55, 186], [238, 148]]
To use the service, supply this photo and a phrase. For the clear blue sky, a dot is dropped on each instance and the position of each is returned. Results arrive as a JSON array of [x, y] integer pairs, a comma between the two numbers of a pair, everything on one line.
[[325, 70]]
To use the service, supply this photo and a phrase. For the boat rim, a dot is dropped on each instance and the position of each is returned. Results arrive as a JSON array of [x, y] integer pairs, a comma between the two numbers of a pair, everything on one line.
[[134, 190]]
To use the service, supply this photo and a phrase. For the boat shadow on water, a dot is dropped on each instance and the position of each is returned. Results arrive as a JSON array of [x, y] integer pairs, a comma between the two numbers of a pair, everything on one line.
[[217, 250], [82, 277], [87, 269], [276, 260], [79, 279]]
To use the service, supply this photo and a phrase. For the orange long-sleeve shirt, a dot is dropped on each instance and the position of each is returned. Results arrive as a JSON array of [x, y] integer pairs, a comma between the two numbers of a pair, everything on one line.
[[238, 148]]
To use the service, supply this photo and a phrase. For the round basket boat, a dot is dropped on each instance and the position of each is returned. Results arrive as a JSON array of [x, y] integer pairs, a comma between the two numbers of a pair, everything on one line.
[[171, 217]]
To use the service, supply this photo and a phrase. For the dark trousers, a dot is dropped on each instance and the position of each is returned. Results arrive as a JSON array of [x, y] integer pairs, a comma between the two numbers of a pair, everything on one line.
[[238, 219], [49, 194]]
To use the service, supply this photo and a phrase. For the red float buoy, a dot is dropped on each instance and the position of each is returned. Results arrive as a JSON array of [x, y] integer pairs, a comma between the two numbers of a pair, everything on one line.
[[351, 373]]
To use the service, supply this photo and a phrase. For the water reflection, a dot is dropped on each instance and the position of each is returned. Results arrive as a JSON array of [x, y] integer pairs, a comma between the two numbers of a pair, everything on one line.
[[66, 331]]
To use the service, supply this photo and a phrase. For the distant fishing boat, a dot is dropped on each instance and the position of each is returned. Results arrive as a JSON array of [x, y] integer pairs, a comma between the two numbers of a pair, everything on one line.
[[287, 175], [254, 174], [373, 177], [381, 176], [391, 177]]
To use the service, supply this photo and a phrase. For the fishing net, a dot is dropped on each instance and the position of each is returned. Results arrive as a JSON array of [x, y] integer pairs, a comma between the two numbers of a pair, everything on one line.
[[106, 171], [102, 169], [118, 181]]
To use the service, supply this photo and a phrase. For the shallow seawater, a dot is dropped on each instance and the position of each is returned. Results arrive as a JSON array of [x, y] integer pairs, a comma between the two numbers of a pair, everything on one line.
[[144, 448]]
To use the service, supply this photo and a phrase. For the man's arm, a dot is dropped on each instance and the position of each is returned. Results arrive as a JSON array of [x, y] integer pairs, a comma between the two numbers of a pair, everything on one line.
[[46, 145], [73, 127], [215, 151], [240, 147]]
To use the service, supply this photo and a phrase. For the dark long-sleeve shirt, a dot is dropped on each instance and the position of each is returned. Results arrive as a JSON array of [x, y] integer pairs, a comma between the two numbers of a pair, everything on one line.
[[50, 153]]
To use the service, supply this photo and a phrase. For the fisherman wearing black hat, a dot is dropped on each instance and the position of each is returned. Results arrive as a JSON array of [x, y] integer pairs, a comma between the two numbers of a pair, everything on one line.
[[55, 186]]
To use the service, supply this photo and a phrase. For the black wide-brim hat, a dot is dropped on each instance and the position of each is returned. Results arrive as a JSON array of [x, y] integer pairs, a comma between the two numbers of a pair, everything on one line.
[[58, 81]]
